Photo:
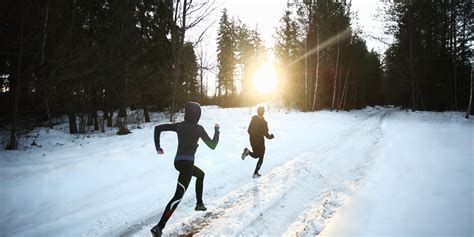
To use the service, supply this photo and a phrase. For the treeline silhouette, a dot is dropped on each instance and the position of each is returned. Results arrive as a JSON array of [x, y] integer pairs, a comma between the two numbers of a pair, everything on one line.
[[91, 60]]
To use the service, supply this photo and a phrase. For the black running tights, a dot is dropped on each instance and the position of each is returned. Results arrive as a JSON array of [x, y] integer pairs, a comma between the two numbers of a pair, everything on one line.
[[186, 169]]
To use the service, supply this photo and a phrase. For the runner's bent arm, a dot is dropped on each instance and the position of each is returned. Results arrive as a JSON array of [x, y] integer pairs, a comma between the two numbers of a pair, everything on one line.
[[211, 143], [162, 128], [265, 131]]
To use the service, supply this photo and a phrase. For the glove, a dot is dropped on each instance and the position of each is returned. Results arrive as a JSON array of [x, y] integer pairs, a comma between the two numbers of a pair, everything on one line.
[[160, 151], [272, 136], [216, 127]]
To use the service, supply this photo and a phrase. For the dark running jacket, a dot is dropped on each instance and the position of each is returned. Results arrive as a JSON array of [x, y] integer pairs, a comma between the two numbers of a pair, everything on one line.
[[258, 128], [189, 132]]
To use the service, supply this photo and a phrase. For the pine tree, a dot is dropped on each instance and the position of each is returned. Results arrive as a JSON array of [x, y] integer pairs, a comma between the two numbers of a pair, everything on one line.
[[225, 55], [334, 56], [428, 66], [79, 57], [288, 49], [189, 74], [250, 54]]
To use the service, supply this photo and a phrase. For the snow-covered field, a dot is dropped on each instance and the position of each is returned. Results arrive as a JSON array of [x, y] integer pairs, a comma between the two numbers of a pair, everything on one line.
[[372, 172]]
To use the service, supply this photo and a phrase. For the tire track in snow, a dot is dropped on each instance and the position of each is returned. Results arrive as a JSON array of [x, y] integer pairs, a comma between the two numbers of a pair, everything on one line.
[[240, 199], [313, 219], [240, 207], [294, 170], [279, 197]]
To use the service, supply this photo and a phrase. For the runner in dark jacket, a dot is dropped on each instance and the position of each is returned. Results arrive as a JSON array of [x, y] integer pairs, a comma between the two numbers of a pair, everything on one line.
[[189, 132], [258, 129]]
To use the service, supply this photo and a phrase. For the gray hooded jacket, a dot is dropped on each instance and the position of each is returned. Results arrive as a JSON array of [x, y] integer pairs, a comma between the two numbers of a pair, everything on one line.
[[189, 132]]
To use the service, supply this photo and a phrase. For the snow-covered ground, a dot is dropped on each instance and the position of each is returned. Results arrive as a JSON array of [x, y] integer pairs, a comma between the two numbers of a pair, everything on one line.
[[372, 172]]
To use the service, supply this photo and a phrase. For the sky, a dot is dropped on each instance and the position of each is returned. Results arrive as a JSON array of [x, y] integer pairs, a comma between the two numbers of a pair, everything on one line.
[[266, 14]]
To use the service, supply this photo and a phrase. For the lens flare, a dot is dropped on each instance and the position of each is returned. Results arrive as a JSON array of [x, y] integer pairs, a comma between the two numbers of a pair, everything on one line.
[[265, 79]]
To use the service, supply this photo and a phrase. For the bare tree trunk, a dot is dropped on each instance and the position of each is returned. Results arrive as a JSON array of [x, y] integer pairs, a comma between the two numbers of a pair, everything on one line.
[[203, 67], [146, 113], [13, 142], [412, 72], [48, 111], [43, 46], [201, 79], [96, 121], [106, 113], [90, 118], [317, 74], [340, 90], [335, 76], [344, 99], [207, 87], [100, 121], [173, 102], [82, 123], [93, 115], [422, 99], [468, 110], [72, 115], [177, 54], [122, 114], [109, 117], [354, 95], [343, 96], [72, 123], [122, 121], [453, 26], [306, 74]]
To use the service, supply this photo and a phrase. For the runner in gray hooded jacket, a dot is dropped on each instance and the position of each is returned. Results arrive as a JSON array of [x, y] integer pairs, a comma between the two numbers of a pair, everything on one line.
[[189, 132]]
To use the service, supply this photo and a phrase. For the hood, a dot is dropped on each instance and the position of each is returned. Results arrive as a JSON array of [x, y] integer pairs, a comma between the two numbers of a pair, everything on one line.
[[192, 112]]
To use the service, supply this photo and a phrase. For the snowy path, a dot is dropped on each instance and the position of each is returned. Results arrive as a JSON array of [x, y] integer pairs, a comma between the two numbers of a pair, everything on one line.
[[315, 178], [318, 174]]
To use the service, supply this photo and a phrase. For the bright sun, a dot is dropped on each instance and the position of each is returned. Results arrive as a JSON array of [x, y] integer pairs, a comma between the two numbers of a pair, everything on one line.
[[265, 79]]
